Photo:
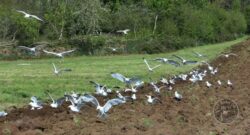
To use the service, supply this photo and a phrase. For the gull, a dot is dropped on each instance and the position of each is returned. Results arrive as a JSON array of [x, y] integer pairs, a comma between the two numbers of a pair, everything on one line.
[[185, 62], [133, 89], [113, 49], [108, 105], [208, 65], [219, 82], [61, 54], [133, 96], [163, 60], [128, 81], [99, 89], [177, 96], [208, 84], [198, 54], [156, 88], [57, 71], [149, 68], [26, 15], [172, 81], [152, 100], [213, 72], [125, 98], [229, 83], [164, 80], [3, 113], [31, 49], [229, 54], [56, 103], [125, 32], [35, 103], [168, 61], [75, 107]]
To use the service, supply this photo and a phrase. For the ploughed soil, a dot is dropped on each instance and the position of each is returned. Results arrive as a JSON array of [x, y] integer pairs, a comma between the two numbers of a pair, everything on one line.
[[193, 115]]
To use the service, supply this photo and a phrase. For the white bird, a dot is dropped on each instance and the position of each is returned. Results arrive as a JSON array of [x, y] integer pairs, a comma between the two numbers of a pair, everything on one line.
[[26, 15], [208, 65], [56, 103], [133, 89], [108, 105], [3, 113], [113, 49], [164, 80], [125, 32], [184, 61], [149, 68], [213, 72], [133, 96], [61, 54], [156, 88], [75, 107], [128, 81], [177, 96], [31, 49], [229, 83], [219, 82], [152, 100], [57, 71], [208, 84], [99, 89], [229, 54], [35, 104]]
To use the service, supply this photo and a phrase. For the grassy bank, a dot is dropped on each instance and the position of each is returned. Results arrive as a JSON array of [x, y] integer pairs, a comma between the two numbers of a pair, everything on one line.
[[18, 82]]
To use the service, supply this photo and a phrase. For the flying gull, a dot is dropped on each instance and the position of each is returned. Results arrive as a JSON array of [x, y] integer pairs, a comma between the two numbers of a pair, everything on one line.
[[26, 15], [150, 68]]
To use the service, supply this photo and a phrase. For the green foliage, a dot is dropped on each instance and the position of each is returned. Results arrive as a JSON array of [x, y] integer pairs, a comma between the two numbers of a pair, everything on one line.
[[247, 16], [92, 24]]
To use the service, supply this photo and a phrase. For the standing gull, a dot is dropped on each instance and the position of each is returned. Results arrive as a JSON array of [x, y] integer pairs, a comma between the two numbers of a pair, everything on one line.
[[35, 104]]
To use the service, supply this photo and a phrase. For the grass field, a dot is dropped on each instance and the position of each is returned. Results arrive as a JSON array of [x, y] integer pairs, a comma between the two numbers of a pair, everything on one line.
[[19, 82]]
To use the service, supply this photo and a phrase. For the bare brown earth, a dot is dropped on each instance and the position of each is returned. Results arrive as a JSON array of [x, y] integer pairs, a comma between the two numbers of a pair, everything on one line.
[[193, 115]]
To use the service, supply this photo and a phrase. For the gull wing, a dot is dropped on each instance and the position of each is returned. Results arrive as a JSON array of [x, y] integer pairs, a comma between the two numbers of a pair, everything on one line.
[[21, 12], [24, 47], [118, 76], [60, 100], [36, 17], [66, 69], [233, 54], [110, 103], [90, 98], [178, 57], [33, 99], [50, 97], [156, 66], [66, 52], [95, 83], [191, 62], [54, 66], [50, 52], [146, 62]]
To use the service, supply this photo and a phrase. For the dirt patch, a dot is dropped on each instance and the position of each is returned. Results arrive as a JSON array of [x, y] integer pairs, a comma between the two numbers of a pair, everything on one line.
[[193, 115]]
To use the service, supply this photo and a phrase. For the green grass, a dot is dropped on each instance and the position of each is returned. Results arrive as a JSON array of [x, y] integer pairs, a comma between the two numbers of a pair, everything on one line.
[[18, 83]]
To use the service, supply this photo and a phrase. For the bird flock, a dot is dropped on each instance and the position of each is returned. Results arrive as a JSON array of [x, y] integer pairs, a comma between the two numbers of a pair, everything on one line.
[[132, 84]]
